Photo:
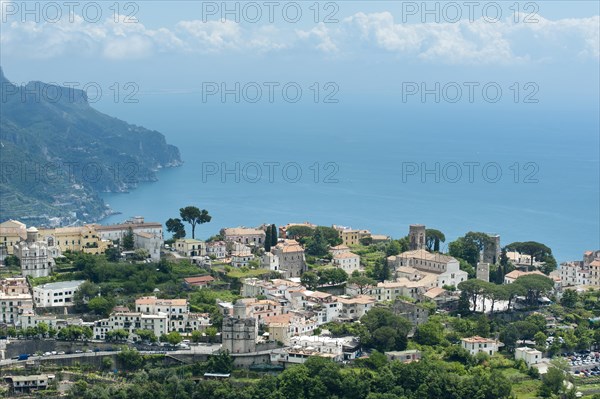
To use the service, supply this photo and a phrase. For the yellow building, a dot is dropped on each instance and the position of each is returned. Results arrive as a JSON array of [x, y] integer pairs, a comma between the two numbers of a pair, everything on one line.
[[11, 233], [351, 236], [77, 239]]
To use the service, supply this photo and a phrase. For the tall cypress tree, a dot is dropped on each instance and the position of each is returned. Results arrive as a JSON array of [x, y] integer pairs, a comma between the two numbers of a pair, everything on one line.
[[273, 235], [268, 239]]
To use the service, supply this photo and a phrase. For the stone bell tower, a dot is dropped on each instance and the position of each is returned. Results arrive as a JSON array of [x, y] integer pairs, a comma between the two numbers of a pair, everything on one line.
[[416, 236]]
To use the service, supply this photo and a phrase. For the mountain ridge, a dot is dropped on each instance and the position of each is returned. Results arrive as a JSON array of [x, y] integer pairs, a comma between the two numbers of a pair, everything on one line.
[[57, 154]]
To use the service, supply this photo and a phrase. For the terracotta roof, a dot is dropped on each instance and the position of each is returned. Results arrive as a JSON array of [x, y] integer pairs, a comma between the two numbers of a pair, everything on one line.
[[152, 300], [280, 318], [477, 339], [125, 226], [517, 273], [346, 255], [426, 255], [198, 279], [241, 231], [317, 294], [595, 263], [434, 292], [359, 299], [340, 247]]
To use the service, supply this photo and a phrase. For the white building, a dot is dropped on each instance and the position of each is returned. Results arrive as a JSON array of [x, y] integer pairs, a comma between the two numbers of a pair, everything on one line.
[[132, 321], [446, 268], [190, 247], [529, 355], [56, 294], [179, 317], [243, 235], [356, 307], [217, 249], [347, 261], [36, 257], [29, 383], [339, 249], [478, 344], [270, 261], [15, 298], [154, 305], [303, 347], [137, 225], [150, 242], [241, 259]]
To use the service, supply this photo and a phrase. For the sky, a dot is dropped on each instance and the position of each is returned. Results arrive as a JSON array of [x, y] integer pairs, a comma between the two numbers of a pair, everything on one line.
[[176, 46]]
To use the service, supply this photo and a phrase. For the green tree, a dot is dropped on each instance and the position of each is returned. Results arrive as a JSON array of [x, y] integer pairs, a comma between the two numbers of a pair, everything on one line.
[[222, 362], [310, 280], [317, 245], [194, 216], [273, 235], [552, 382], [540, 340], [116, 335], [107, 363], [146, 335], [12, 262], [569, 298], [362, 282], [332, 276], [52, 332], [268, 239], [128, 240], [299, 232], [331, 235], [495, 293], [430, 333], [42, 329], [535, 286], [464, 305], [482, 327], [211, 333], [433, 239], [536, 251], [381, 270], [513, 291], [130, 359], [174, 338], [112, 254], [385, 331], [393, 248], [196, 336], [175, 226], [101, 305], [473, 289]]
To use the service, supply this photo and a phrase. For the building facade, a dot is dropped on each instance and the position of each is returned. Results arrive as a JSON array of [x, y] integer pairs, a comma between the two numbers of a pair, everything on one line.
[[56, 294], [417, 237], [244, 235], [36, 257], [347, 261], [290, 254], [478, 344], [239, 333]]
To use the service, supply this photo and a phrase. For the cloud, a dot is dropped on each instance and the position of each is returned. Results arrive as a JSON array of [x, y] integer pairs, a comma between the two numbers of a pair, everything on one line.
[[465, 42], [319, 37]]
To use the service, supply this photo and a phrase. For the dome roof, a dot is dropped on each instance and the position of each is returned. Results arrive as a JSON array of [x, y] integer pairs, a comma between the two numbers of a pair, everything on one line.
[[32, 230]]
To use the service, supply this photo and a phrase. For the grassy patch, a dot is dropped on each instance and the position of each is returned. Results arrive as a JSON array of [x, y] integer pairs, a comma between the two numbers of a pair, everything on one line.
[[526, 389]]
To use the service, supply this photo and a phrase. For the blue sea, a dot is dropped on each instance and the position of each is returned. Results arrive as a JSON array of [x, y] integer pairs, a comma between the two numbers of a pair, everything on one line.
[[526, 172]]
